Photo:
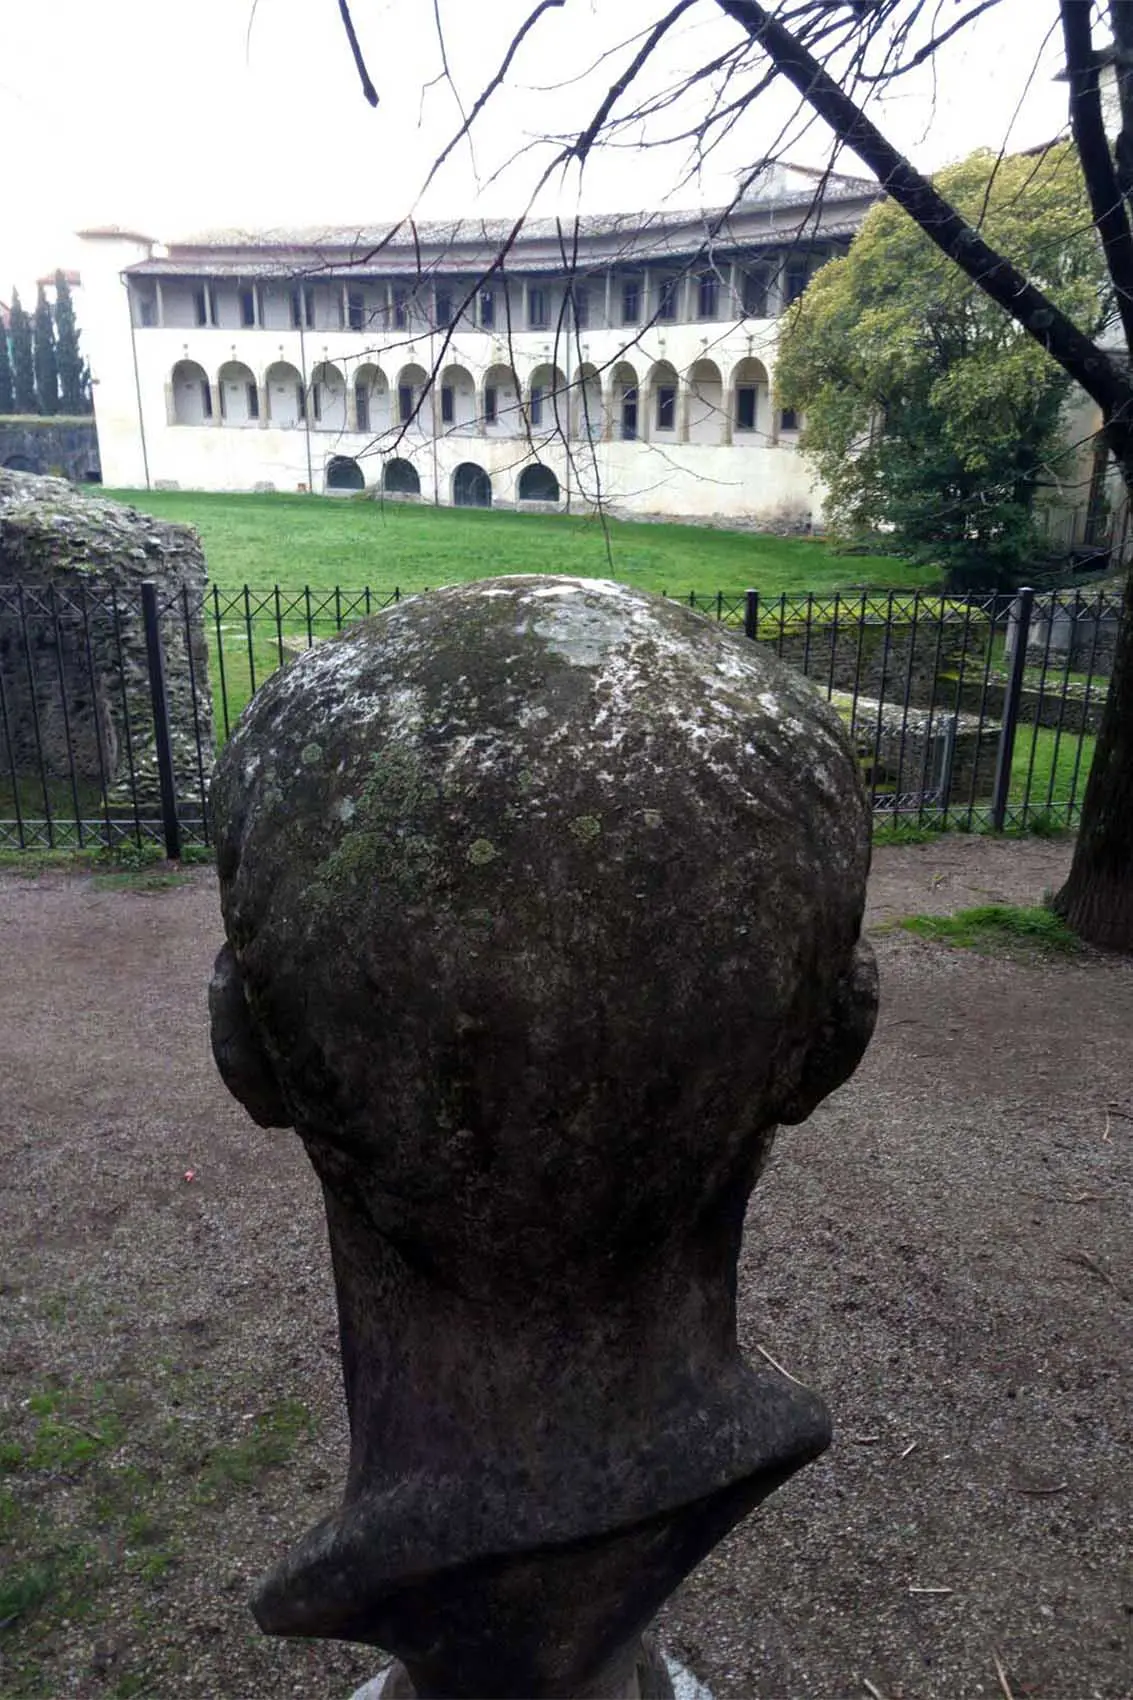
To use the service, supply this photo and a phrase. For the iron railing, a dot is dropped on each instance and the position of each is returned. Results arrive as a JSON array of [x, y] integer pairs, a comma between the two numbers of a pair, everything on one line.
[[966, 711]]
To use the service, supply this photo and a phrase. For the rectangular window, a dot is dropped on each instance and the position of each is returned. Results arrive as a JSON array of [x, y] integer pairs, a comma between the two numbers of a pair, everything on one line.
[[444, 309], [147, 312], [448, 410], [667, 290], [629, 414], [362, 407], [537, 309], [400, 309], [631, 300], [206, 399], [745, 407], [796, 281], [490, 405], [788, 419], [355, 310], [487, 309], [300, 405], [581, 297], [755, 295], [317, 401], [296, 309], [309, 308], [247, 306], [405, 402], [536, 404], [253, 402], [706, 293], [666, 407], [201, 305]]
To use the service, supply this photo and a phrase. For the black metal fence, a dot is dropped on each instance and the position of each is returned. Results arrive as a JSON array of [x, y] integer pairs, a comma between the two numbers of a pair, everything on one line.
[[972, 712]]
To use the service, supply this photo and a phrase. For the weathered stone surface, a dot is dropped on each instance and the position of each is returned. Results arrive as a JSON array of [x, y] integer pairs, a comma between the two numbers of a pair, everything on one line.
[[60, 447], [72, 644], [543, 901]]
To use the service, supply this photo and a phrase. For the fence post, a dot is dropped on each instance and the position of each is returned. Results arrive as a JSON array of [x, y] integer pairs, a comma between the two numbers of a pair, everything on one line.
[[751, 613], [1019, 623], [162, 742]]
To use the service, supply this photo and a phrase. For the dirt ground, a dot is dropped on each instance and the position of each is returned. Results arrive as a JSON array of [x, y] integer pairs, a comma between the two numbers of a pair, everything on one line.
[[943, 1250]]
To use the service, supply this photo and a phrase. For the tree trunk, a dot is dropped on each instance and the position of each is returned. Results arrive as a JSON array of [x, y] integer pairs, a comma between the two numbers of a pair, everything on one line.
[[1097, 899]]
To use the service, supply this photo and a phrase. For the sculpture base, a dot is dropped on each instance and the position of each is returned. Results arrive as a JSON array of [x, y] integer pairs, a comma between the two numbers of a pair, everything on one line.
[[655, 1675]]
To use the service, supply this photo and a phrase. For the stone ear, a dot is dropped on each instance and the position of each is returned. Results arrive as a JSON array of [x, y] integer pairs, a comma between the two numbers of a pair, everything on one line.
[[244, 1065], [840, 1040]]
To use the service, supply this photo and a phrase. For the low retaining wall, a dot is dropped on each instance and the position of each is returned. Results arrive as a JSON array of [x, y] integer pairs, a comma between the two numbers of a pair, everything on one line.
[[58, 447]]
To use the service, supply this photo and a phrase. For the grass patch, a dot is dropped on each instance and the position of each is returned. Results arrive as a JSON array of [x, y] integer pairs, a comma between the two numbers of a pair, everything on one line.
[[292, 541], [22, 1591], [270, 1442], [997, 927]]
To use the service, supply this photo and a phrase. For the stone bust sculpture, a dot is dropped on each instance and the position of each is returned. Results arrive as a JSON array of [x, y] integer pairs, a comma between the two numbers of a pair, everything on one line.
[[542, 899]]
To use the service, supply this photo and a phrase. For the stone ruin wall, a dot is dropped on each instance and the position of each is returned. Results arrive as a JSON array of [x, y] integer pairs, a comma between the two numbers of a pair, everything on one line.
[[73, 667]]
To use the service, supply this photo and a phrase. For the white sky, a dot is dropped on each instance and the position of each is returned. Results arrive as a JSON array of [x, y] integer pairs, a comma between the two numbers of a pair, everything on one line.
[[175, 115]]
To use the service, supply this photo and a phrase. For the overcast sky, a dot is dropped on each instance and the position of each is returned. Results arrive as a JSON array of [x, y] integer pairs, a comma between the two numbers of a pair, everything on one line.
[[176, 115]]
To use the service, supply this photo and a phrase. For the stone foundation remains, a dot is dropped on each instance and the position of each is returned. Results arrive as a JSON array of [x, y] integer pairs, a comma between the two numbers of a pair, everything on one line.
[[73, 669]]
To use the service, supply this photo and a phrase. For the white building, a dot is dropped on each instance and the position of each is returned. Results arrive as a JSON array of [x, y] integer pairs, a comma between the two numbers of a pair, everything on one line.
[[631, 360]]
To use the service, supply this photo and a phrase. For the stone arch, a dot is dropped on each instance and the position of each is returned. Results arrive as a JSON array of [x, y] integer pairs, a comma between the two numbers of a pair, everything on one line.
[[328, 397], [537, 483], [661, 401], [547, 398], [411, 384], [400, 478], [751, 398], [588, 404], [192, 394], [499, 402], [239, 394], [19, 463], [344, 473], [706, 417], [285, 394], [457, 401], [624, 405], [371, 399], [471, 486]]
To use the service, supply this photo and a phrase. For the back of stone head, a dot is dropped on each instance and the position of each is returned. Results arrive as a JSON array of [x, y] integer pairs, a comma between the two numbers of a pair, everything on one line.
[[543, 895]]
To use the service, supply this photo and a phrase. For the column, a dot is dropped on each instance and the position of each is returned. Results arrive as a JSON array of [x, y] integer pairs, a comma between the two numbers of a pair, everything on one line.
[[160, 303]]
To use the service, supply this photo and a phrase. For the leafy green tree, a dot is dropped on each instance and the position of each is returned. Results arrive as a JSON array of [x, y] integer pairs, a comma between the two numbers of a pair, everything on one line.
[[23, 361], [74, 393], [929, 414], [46, 370], [7, 401]]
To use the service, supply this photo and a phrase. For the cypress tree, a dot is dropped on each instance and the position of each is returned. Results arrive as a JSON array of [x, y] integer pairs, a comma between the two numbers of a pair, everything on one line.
[[23, 362], [73, 397], [7, 402], [46, 371]]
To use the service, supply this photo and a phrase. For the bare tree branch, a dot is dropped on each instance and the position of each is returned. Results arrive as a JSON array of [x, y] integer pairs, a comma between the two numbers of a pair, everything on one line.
[[1088, 364], [368, 88], [1110, 213]]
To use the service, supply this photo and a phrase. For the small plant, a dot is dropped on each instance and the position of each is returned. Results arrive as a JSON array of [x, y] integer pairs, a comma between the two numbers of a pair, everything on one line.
[[22, 1592], [996, 926]]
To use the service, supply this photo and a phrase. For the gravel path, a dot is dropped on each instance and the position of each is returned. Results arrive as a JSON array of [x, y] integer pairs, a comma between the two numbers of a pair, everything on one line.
[[943, 1250]]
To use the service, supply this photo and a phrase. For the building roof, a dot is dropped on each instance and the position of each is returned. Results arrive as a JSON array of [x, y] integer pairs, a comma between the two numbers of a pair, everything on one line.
[[72, 279], [777, 209]]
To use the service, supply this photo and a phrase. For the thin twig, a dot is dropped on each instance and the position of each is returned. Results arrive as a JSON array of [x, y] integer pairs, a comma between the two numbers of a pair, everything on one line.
[[1085, 1261], [871, 1688], [1043, 1492], [1002, 1675], [932, 1590], [776, 1365], [912, 1446]]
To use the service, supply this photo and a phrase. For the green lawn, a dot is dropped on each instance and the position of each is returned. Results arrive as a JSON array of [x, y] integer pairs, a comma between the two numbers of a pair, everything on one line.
[[322, 541]]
